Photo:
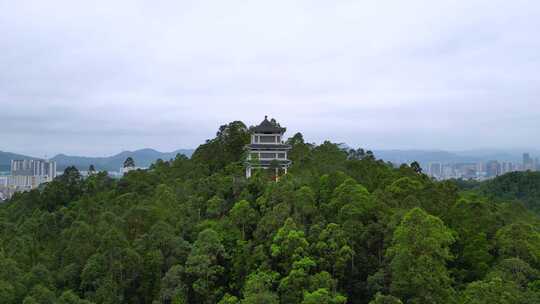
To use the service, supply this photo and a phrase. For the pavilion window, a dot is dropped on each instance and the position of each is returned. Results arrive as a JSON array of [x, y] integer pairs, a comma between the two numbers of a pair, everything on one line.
[[268, 155], [281, 155], [267, 139]]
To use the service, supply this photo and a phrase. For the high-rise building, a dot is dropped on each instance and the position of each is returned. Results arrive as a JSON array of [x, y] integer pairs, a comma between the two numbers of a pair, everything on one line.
[[493, 168], [4, 181], [435, 170], [466, 170], [507, 167], [481, 167], [528, 163], [30, 173], [448, 171]]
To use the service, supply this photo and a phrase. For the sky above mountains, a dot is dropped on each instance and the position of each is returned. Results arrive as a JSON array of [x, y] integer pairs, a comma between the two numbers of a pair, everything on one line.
[[98, 77]]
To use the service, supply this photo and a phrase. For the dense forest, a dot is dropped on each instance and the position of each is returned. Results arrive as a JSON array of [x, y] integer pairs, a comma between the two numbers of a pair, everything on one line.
[[340, 227], [523, 187]]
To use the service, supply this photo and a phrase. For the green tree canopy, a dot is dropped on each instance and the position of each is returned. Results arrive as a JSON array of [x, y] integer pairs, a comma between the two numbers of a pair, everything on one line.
[[419, 253]]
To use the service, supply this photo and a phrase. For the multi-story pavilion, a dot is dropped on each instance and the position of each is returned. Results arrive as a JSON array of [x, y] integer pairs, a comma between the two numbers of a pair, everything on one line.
[[267, 149]]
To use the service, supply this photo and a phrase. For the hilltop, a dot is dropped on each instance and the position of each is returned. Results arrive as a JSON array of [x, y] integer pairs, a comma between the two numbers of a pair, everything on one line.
[[522, 187], [340, 227]]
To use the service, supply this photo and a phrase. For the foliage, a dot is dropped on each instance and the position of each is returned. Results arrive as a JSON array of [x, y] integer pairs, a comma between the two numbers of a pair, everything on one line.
[[340, 227], [518, 186], [419, 253], [129, 162]]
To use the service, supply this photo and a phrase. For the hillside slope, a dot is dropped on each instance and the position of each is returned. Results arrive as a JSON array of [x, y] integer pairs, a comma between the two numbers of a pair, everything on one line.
[[522, 186]]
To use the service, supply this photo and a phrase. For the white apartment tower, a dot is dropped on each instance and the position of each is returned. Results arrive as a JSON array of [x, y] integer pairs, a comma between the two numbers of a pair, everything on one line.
[[28, 174]]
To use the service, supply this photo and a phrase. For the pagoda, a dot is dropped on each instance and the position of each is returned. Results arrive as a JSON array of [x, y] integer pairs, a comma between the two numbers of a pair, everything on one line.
[[267, 149]]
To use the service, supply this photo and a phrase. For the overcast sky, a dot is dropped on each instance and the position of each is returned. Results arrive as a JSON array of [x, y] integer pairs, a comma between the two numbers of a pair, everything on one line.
[[98, 77]]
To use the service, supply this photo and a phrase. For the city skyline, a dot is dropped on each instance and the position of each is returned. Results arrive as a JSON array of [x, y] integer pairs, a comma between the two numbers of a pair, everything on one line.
[[102, 77], [481, 170]]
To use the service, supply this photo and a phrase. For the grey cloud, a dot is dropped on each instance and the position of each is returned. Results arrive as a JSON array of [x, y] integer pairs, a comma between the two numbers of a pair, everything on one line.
[[100, 76]]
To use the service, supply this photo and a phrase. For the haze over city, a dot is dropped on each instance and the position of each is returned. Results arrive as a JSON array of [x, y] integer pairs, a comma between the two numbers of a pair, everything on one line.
[[95, 78]]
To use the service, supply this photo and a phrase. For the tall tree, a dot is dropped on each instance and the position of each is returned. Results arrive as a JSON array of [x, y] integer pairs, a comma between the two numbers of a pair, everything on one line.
[[243, 215], [416, 167], [129, 162], [258, 288], [492, 291], [519, 240], [289, 245], [204, 266], [323, 296], [419, 253], [383, 299], [225, 148], [91, 169]]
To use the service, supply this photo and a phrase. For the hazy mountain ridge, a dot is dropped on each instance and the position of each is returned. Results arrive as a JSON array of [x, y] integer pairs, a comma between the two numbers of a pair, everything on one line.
[[6, 157], [145, 157], [142, 157]]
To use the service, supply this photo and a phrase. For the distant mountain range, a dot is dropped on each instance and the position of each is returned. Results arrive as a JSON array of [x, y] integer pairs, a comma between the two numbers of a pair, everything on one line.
[[6, 157], [143, 158]]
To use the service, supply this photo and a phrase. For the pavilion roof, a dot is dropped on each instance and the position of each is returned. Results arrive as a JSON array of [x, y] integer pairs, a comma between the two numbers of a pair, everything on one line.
[[267, 126]]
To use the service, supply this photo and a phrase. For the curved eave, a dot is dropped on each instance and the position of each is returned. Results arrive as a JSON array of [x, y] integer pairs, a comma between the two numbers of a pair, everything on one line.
[[268, 131], [264, 147], [267, 163]]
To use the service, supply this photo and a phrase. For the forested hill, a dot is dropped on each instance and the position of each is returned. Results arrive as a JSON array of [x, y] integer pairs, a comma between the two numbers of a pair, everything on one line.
[[522, 186], [341, 227]]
